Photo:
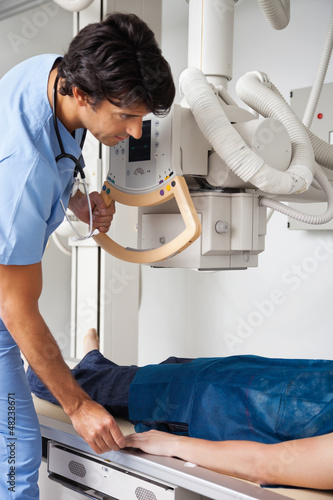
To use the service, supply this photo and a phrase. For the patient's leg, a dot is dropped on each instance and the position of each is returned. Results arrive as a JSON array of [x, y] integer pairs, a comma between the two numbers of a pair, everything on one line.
[[104, 381], [90, 341]]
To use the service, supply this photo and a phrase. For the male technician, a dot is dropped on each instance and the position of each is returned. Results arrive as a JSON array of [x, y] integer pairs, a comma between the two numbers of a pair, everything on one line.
[[112, 76]]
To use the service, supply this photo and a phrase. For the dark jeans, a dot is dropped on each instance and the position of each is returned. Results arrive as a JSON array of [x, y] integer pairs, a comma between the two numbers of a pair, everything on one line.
[[104, 381]]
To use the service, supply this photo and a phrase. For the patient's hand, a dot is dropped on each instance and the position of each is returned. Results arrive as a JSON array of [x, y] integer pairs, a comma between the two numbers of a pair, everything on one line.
[[154, 442]]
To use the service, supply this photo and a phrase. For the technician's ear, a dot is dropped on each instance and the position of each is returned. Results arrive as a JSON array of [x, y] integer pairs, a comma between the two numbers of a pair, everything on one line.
[[80, 96]]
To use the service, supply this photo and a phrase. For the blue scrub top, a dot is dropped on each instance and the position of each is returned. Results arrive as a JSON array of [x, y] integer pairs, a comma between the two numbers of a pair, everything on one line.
[[31, 182]]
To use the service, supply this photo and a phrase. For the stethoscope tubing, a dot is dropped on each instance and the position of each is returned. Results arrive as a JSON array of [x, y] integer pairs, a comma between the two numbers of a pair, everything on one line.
[[77, 170]]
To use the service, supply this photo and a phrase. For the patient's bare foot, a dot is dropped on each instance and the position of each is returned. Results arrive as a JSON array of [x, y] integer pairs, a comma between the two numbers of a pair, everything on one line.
[[90, 341]]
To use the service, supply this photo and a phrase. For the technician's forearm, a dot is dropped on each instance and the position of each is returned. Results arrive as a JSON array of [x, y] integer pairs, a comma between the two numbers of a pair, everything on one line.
[[20, 289], [43, 355]]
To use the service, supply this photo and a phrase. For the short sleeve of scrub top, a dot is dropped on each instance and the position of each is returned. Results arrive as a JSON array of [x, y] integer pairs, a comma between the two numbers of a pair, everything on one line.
[[31, 182]]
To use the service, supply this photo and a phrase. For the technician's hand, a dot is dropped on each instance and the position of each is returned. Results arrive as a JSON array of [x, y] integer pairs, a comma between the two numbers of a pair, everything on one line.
[[97, 427], [102, 215]]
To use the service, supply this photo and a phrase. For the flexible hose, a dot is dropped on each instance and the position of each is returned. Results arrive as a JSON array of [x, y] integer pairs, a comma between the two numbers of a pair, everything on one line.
[[277, 12], [326, 186], [322, 150], [215, 125], [320, 76], [234, 151], [262, 102], [256, 90]]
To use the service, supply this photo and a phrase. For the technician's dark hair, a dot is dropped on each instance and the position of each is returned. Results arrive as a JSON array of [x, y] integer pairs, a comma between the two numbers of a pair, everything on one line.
[[118, 59]]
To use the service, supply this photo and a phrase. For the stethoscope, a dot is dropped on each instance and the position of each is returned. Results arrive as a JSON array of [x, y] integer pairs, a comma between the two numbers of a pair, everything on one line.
[[77, 170]]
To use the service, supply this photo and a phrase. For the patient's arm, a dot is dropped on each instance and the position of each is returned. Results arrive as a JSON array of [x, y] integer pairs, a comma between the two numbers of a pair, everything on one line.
[[306, 463]]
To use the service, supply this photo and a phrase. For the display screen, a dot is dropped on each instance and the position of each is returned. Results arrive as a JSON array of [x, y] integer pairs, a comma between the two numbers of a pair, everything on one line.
[[139, 149]]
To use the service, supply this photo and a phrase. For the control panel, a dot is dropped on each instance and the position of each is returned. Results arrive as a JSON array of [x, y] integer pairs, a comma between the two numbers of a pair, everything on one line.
[[142, 165]]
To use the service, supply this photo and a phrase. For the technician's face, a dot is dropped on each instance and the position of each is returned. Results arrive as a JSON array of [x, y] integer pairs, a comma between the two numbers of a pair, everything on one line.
[[111, 124]]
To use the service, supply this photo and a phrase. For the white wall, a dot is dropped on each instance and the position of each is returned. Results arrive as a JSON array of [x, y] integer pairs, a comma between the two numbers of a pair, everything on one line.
[[283, 307], [44, 29]]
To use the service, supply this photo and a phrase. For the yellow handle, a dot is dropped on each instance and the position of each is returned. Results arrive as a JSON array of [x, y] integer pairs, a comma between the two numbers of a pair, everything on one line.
[[178, 189]]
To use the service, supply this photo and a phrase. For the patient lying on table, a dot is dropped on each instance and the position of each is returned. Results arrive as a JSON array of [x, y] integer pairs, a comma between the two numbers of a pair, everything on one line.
[[265, 420]]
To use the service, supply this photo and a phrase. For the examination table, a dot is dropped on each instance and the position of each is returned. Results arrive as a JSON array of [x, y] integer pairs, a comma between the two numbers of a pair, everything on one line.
[[132, 474]]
